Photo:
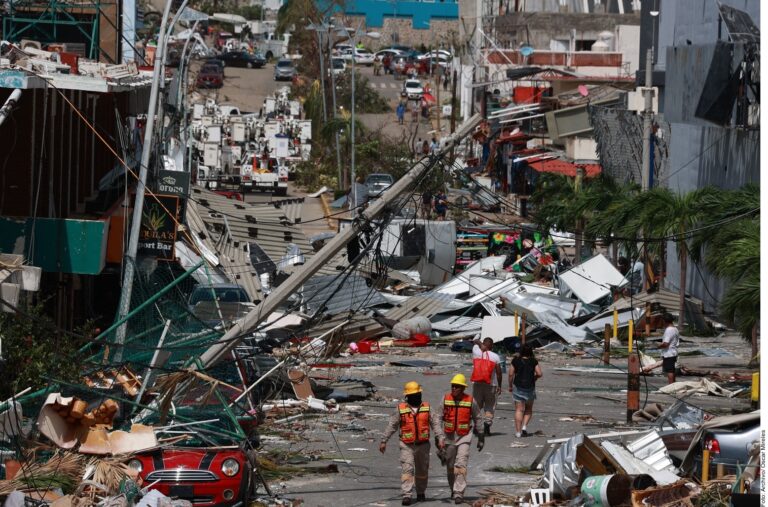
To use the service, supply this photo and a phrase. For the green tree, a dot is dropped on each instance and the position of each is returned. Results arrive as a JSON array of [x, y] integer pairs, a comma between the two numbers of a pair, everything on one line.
[[729, 244], [667, 214]]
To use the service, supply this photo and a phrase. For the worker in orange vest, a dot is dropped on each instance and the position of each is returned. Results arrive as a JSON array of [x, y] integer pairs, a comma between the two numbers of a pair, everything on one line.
[[461, 416], [414, 418]]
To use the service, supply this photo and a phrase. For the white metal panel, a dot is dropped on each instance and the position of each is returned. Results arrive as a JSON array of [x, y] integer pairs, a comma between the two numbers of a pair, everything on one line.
[[281, 147], [592, 280], [211, 154]]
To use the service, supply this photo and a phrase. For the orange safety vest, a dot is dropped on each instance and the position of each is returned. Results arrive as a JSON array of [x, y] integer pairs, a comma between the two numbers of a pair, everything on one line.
[[414, 428], [457, 416]]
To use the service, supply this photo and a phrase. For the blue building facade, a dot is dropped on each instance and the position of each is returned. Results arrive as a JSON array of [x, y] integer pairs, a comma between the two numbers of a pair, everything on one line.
[[420, 13]]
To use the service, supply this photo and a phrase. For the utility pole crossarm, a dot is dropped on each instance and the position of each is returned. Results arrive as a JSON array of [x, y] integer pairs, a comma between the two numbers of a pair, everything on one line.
[[221, 349]]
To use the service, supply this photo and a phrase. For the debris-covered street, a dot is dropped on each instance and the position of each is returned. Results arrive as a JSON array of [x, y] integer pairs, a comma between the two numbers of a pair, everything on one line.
[[383, 253]]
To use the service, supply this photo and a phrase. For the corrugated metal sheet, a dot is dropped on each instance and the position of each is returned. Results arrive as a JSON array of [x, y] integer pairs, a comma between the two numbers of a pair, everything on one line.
[[578, 6], [292, 208], [339, 294], [355, 327], [227, 227], [425, 305], [456, 324]]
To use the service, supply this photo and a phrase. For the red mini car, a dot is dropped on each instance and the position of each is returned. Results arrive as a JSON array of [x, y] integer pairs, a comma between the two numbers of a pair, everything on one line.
[[206, 476]]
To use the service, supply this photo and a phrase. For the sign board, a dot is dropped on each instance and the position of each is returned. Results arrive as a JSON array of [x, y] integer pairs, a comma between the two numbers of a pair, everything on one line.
[[173, 183], [157, 234]]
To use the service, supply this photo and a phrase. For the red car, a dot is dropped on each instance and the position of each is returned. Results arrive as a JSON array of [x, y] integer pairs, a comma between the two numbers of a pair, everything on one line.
[[206, 476], [210, 77]]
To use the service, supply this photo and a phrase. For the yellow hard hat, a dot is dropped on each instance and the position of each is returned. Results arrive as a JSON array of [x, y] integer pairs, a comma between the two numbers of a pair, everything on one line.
[[459, 380], [411, 388]]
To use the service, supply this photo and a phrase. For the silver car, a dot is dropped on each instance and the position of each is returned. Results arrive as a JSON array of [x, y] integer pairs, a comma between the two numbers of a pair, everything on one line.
[[378, 183], [284, 70]]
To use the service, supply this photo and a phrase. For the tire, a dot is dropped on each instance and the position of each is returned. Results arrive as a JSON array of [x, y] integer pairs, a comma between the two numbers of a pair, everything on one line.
[[249, 65], [281, 192]]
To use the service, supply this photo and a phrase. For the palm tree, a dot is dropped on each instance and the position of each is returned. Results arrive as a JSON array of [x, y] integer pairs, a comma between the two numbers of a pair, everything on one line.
[[730, 244], [559, 204], [665, 214]]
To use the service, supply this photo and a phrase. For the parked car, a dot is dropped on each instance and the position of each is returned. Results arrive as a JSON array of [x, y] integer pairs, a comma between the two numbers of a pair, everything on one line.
[[380, 54], [205, 476], [363, 57], [216, 62], [378, 183], [243, 59], [442, 54], [412, 89], [284, 70], [212, 303], [210, 76], [403, 65], [338, 66], [728, 439], [340, 49]]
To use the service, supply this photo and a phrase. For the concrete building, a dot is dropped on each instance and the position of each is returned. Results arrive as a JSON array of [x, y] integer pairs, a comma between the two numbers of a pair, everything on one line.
[[64, 186], [709, 145]]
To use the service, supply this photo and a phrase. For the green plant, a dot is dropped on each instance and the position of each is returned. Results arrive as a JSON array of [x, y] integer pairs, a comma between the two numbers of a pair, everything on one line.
[[37, 350]]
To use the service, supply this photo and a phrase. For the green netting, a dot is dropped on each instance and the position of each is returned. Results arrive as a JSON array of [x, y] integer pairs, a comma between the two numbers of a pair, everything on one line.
[[187, 335]]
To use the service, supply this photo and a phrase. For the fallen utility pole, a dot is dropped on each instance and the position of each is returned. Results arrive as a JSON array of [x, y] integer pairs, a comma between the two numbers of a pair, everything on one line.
[[220, 350]]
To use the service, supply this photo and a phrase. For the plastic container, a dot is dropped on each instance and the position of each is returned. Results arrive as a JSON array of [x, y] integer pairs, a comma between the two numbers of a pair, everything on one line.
[[606, 490], [365, 347]]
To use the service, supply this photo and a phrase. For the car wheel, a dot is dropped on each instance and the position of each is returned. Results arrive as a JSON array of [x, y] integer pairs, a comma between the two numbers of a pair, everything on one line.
[[249, 65]]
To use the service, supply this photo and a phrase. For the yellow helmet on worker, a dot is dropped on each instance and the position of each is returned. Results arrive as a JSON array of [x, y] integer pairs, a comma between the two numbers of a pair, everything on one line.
[[411, 388], [459, 380]]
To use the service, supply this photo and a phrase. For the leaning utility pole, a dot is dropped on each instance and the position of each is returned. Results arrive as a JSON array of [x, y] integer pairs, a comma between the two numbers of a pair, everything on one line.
[[222, 348], [138, 205]]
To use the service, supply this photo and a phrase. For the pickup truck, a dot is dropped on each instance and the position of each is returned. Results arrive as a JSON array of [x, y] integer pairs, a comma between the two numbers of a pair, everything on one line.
[[258, 174]]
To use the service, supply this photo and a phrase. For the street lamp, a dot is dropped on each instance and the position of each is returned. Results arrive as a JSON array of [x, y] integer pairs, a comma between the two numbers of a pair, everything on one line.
[[354, 40]]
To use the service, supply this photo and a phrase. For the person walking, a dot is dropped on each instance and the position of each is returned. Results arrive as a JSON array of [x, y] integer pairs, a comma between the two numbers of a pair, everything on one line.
[[400, 111], [461, 415], [413, 419], [386, 63], [669, 344], [523, 374], [441, 205], [486, 379], [426, 204], [376, 66], [434, 146]]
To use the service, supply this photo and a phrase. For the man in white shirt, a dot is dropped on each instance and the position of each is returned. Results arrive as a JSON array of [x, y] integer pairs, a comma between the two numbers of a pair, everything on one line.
[[669, 344], [484, 393]]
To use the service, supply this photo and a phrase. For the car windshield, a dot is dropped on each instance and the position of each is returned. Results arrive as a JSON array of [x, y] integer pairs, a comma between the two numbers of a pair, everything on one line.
[[210, 69], [412, 84], [379, 178], [285, 63], [223, 294], [337, 64]]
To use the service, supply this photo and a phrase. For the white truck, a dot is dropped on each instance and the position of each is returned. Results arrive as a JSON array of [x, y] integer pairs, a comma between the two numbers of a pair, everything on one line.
[[258, 173], [272, 46]]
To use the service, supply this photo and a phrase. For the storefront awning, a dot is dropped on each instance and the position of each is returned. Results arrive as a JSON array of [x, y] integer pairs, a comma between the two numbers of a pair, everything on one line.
[[556, 165]]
